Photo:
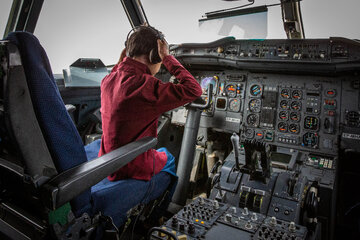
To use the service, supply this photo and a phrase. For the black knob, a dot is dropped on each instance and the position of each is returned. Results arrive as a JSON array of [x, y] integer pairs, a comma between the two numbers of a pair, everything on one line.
[[174, 221], [191, 228], [181, 227]]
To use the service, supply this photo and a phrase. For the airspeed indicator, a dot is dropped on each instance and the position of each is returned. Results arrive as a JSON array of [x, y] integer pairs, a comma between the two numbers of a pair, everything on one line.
[[234, 105]]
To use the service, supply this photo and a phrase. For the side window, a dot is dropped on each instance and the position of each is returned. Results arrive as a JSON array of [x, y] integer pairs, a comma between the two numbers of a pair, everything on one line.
[[5, 7], [69, 30], [338, 19]]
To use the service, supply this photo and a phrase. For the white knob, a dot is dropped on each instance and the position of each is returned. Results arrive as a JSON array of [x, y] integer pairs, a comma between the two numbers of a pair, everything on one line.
[[254, 217], [245, 211], [273, 221], [233, 210], [292, 227], [216, 204], [228, 217]]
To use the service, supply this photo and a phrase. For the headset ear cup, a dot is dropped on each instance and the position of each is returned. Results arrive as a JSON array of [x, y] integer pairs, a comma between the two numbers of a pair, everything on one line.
[[154, 56]]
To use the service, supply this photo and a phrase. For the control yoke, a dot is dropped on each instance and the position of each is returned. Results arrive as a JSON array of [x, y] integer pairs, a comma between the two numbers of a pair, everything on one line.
[[208, 102], [187, 151]]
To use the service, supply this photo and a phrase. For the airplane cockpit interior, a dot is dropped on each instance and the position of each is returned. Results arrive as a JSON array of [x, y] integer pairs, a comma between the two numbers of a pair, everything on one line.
[[271, 150]]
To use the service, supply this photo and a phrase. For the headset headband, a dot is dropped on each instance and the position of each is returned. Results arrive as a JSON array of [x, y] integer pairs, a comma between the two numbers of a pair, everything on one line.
[[158, 34]]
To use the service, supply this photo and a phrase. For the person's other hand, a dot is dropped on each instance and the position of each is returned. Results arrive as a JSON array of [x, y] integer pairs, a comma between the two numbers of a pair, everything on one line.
[[163, 48], [122, 55]]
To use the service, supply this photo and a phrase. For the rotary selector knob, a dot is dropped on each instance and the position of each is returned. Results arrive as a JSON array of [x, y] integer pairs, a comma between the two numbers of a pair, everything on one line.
[[248, 225], [273, 221], [254, 217], [228, 217], [216, 204], [292, 227]]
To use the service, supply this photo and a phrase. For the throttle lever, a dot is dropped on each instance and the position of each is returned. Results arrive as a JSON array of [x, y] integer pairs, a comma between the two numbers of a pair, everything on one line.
[[235, 143]]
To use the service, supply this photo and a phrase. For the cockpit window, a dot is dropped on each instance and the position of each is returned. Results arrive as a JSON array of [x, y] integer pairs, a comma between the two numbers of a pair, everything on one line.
[[69, 30], [5, 7], [179, 19], [324, 18]]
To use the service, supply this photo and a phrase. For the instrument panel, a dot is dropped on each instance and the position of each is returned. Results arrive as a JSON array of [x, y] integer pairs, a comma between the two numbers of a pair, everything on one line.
[[299, 94], [225, 113], [301, 112], [301, 97], [292, 111]]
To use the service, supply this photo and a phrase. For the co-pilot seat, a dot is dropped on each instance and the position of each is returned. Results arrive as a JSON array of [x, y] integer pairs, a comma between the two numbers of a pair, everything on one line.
[[45, 177]]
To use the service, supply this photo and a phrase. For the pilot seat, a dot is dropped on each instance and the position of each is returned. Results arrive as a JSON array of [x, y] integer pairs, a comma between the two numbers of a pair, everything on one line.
[[48, 187]]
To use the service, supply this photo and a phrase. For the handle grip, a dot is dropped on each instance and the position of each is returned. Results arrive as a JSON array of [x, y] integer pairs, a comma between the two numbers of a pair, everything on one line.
[[208, 103]]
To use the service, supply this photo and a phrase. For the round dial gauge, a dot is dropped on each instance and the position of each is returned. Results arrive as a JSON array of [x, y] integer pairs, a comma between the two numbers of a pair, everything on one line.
[[249, 133], [310, 140], [284, 104], [252, 120], [282, 126], [294, 116], [295, 105], [294, 128], [230, 90], [296, 94], [283, 115], [285, 93], [311, 123], [234, 105], [255, 90], [255, 105]]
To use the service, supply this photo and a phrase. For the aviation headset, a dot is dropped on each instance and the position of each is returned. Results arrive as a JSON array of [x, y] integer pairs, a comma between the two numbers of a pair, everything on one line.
[[154, 54]]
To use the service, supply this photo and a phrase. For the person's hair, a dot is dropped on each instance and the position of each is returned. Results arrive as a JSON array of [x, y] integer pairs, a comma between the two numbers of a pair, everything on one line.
[[142, 41]]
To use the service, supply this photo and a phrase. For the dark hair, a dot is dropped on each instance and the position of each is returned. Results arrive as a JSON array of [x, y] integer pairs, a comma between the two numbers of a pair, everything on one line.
[[142, 41]]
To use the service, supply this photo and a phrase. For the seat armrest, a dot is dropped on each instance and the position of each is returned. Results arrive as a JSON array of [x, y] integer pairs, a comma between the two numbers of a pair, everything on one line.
[[69, 184]]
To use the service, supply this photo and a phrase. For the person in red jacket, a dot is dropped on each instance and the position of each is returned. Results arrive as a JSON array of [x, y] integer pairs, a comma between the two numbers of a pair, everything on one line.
[[132, 100]]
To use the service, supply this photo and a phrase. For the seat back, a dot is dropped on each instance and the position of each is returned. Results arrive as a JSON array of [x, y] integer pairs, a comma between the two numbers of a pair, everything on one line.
[[61, 136], [19, 123]]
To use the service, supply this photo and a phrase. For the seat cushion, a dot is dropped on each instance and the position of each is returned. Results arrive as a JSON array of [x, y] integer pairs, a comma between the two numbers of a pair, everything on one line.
[[114, 199], [92, 149]]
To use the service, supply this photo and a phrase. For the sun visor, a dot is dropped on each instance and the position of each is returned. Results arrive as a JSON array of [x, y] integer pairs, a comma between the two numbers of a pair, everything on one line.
[[248, 23]]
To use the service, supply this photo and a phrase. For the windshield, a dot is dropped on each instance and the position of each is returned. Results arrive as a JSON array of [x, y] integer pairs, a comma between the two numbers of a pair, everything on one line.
[[179, 20], [5, 7], [70, 30]]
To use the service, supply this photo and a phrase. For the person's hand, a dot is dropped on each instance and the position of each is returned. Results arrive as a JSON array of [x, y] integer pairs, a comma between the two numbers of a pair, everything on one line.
[[163, 48], [122, 55]]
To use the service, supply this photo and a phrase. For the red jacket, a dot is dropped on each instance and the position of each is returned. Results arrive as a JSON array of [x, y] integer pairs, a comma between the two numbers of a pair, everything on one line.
[[131, 102]]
